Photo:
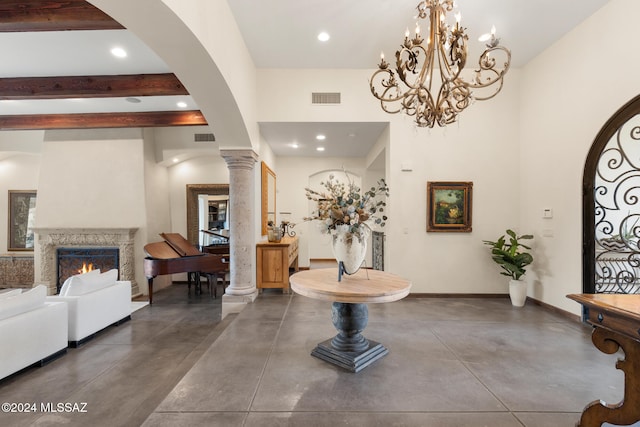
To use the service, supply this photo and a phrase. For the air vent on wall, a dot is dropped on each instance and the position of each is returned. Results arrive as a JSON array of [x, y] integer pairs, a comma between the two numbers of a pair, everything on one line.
[[204, 137], [325, 98]]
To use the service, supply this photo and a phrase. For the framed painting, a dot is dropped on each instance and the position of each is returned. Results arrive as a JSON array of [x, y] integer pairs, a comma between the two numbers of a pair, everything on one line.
[[449, 206], [22, 209]]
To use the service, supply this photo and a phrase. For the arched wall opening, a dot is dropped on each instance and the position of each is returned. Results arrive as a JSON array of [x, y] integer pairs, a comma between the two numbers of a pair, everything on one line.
[[187, 43]]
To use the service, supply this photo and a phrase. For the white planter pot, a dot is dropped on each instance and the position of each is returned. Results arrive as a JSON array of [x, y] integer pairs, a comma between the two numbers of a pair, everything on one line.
[[518, 292]]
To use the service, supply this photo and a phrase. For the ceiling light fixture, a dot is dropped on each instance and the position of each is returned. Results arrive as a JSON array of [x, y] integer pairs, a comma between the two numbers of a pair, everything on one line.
[[438, 98], [119, 52], [294, 145], [320, 149], [324, 36], [321, 137], [182, 104]]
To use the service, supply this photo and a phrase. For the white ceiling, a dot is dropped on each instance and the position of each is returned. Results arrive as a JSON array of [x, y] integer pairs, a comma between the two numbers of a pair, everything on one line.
[[80, 53], [348, 139], [282, 34]]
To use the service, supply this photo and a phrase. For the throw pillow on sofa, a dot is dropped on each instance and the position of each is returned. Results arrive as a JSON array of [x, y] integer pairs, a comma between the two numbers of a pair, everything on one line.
[[23, 302], [76, 277], [85, 284]]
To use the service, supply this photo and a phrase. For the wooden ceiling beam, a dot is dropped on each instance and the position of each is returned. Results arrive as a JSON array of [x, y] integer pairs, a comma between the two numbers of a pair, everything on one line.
[[102, 120], [48, 15], [64, 15], [28, 88]]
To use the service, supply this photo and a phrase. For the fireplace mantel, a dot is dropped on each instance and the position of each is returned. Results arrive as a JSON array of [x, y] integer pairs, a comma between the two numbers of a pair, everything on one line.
[[50, 239]]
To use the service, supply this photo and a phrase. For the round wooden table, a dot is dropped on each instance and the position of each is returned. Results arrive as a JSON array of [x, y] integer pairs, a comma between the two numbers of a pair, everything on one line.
[[349, 349]]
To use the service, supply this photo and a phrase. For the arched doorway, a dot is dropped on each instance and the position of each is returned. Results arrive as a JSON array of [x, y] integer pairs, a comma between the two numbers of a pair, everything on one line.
[[611, 206]]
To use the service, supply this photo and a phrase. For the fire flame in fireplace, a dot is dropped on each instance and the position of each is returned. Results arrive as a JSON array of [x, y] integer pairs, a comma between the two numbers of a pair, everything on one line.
[[85, 268]]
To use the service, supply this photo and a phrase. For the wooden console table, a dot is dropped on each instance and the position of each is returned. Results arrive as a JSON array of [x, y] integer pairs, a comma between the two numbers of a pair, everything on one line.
[[616, 321], [273, 261], [349, 349]]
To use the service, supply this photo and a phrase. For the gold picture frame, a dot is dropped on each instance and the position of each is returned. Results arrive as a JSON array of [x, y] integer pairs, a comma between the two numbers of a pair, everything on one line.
[[22, 205], [268, 197], [449, 206]]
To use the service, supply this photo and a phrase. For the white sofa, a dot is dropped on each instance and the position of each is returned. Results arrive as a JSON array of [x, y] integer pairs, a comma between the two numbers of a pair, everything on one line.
[[32, 331], [95, 301]]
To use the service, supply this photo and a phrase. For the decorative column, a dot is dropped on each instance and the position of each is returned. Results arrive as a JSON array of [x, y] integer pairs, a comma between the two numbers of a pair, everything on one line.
[[242, 289]]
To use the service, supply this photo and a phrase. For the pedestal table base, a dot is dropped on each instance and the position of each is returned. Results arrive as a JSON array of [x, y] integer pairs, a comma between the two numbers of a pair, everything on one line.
[[353, 361], [349, 349]]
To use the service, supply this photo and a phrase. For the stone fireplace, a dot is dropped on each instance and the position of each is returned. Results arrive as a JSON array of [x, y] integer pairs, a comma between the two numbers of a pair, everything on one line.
[[52, 239], [71, 261]]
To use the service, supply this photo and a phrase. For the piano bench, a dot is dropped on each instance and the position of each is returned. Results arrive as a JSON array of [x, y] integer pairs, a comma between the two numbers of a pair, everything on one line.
[[212, 281]]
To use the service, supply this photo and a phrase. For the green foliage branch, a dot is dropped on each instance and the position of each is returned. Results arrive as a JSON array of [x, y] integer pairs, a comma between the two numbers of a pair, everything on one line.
[[509, 253]]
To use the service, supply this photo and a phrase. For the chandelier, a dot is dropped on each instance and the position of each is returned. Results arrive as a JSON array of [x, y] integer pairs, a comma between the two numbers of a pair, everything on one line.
[[426, 82]]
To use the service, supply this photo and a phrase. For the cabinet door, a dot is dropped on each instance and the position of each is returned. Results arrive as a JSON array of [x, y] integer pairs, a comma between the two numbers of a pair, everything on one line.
[[272, 262]]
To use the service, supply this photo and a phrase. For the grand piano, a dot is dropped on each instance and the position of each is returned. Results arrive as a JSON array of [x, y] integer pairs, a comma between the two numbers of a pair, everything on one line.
[[176, 255]]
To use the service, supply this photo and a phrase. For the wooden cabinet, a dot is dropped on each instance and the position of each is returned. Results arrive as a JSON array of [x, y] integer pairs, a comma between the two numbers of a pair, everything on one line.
[[273, 261]]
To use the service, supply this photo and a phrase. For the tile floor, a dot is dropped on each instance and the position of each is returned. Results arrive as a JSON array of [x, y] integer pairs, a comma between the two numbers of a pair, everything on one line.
[[452, 363], [125, 371]]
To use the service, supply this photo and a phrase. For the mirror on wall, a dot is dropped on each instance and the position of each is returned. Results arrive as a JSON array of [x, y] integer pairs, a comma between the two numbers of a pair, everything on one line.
[[213, 219], [194, 194], [268, 197]]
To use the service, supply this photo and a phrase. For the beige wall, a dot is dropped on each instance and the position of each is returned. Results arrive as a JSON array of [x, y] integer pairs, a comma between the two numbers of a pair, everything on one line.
[[201, 170], [293, 176], [17, 172], [524, 151], [568, 94], [94, 179], [91, 179], [483, 148], [157, 205]]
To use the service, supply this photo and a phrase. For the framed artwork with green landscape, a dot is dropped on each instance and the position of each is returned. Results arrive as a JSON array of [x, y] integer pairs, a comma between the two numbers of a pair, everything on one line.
[[449, 206]]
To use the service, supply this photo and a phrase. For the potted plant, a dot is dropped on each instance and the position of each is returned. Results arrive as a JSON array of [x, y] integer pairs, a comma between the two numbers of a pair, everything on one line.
[[511, 255]]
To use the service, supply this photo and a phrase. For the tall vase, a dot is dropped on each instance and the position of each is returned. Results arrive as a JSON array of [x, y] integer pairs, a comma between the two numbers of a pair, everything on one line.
[[349, 248]]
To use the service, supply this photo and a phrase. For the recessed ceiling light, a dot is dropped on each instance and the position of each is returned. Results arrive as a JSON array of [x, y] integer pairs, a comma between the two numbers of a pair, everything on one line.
[[119, 52], [324, 36], [321, 137], [320, 149], [182, 104], [175, 160], [294, 145], [133, 100]]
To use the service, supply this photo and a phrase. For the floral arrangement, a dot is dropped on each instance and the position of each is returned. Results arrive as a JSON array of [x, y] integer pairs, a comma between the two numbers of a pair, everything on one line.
[[343, 206]]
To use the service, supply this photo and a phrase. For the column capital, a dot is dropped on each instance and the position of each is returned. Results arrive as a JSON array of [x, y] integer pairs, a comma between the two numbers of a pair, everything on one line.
[[239, 158]]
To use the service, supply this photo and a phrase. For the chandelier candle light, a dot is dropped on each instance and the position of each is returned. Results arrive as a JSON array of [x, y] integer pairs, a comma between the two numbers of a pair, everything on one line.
[[437, 97]]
